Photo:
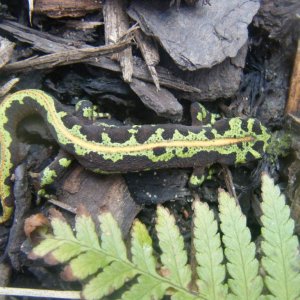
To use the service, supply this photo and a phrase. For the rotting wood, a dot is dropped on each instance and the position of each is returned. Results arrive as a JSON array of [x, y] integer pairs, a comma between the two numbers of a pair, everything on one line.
[[64, 58], [293, 103], [66, 8], [150, 54], [48, 43], [110, 193], [116, 24]]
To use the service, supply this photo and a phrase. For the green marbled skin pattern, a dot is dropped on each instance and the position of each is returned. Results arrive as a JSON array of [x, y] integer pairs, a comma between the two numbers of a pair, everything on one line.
[[115, 149]]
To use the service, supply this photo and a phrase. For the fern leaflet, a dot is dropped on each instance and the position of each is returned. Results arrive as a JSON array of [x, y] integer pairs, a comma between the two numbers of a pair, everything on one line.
[[209, 253], [280, 246], [174, 257], [86, 256], [245, 283]]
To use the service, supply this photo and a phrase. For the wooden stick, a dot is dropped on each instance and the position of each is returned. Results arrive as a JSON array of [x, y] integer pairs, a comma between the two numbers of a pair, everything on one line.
[[64, 58], [293, 103], [40, 293]]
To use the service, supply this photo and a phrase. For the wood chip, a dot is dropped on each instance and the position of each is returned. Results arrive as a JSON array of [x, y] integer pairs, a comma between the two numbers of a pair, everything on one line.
[[66, 8], [162, 102], [150, 54], [116, 24]]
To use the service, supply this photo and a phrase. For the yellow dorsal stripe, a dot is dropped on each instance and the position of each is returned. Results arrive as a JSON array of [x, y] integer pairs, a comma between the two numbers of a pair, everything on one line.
[[61, 129]]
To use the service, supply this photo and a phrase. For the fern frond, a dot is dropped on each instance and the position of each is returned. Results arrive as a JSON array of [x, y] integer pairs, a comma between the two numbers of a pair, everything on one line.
[[245, 283], [61, 229], [105, 265], [64, 246], [111, 237], [47, 245], [141, 248], [86, 231], [209, 253], [113, 277], [280, 246], [147, 288], [87, 256], [88, 263], [174, 257]]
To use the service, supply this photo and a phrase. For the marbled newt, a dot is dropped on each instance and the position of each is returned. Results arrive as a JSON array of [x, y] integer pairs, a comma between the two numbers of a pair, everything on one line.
[[117, 149]]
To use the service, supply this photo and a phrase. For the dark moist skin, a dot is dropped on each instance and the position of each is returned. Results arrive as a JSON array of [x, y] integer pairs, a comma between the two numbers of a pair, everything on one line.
[[106, 149]]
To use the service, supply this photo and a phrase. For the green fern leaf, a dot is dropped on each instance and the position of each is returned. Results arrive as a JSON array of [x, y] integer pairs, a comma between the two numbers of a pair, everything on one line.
[[88, 263], [148, 288], [239, 250], [111, 237], [64, 246], [61, 229], [141, 248], [47, 245], [66, 251], [209, 253], [280, 246], [91, 261], [86, 231], [174, 257], [113, 277]]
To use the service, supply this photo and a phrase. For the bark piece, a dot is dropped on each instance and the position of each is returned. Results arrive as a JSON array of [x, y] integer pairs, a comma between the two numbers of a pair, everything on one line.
[[221, 81], [116, 25], [279, 18], [197, 37], [66, 8], [8, 86], [150, 54], [161, 101], [6, 51], [97, 193]]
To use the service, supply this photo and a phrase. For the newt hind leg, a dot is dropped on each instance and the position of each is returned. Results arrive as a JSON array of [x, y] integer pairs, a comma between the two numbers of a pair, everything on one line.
[[54, 171], [200, 175]]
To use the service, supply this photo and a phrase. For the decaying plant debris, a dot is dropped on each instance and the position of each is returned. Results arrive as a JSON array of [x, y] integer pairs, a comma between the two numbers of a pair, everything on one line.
[[144, 62]]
